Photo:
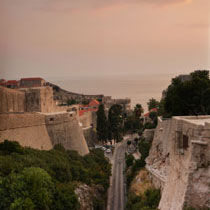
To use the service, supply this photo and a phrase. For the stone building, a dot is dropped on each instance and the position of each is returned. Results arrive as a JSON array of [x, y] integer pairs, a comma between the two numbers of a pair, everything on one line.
[[179, 162], [125, 103], [31, 82]]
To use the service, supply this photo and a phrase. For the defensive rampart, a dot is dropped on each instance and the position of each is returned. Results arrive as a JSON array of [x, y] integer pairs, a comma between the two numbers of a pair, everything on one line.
[[63, 128], [43, 131], [180, 160], [11, 100], [28, 129]]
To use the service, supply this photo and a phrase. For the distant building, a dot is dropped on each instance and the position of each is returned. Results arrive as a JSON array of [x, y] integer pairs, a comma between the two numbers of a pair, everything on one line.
[[146, 116], [125, 103], [9, 83], [31, 82], [184, 77], [91, 107]]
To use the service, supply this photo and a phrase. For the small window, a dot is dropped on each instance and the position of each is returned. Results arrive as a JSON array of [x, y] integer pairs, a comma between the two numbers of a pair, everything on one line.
[[185, 142], [51, 119]]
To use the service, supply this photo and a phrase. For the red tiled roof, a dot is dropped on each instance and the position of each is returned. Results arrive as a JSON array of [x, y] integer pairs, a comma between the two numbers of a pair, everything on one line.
[[151, 110], [94, 102], [33, 78], [12, 82], [9, 82]]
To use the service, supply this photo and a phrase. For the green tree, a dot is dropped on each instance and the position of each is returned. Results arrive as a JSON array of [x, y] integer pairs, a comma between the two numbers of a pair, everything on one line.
[[102, 124], [65, 198], [153, 103], [138, 110], [71, 102], [189, 97], [116, 122], [31, 189]]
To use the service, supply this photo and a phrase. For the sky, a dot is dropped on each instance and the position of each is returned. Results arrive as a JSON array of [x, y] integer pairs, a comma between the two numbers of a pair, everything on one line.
[[87, 38]]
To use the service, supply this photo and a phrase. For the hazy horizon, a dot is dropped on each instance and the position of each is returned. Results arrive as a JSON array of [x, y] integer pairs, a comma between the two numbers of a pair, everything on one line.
[[93, 38]]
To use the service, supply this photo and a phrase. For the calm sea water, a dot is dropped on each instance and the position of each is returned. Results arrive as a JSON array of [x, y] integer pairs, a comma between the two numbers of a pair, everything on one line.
[[139, 88]]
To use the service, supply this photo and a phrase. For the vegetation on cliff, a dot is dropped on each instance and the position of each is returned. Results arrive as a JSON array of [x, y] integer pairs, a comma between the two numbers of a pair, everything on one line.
[[33, 179], [190, 97], [149, 199]]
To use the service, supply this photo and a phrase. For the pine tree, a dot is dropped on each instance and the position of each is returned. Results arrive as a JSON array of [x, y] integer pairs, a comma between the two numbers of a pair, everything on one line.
[[102, 124], [116, 122]]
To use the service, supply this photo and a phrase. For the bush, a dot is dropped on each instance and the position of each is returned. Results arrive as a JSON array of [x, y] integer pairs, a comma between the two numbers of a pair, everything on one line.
[[149, 201], [129, 160], [33, 179], [8, 147]]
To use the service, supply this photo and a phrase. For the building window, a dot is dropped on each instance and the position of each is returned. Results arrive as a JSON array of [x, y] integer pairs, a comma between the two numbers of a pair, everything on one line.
[[185, 142], [51, 119]]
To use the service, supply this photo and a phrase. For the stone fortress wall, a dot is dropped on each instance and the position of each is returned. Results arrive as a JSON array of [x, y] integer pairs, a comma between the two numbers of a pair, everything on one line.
[[11, 100], [63, 128], [88, 123], [27, 128], [179, 162], [25, 117]]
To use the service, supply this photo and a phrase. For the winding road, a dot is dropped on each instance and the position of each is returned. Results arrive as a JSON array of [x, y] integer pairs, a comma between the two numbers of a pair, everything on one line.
[[117, 191]]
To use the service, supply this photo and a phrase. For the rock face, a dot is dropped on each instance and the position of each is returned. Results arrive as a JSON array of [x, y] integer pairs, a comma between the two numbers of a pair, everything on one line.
[[87, 195], [180, 160], [149, 134]]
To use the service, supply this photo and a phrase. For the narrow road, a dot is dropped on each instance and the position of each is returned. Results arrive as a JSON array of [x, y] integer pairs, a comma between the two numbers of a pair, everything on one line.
[[116, 200]]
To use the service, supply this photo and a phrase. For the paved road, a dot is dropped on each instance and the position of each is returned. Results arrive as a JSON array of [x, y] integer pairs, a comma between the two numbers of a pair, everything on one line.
[[117, 190]]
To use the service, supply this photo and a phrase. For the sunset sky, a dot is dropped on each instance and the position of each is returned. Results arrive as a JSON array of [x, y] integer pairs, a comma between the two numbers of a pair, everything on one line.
[[64, 38]]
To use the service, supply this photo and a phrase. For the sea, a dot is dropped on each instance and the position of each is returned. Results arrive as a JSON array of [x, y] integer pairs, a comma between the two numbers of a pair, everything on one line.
[[139, 88]]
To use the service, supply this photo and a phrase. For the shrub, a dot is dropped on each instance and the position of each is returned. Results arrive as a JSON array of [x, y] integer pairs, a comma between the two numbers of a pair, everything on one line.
[[8, 147]]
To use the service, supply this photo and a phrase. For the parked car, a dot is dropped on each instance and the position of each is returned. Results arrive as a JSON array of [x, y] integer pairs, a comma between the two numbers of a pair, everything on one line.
[[108, 151], [103, 148]]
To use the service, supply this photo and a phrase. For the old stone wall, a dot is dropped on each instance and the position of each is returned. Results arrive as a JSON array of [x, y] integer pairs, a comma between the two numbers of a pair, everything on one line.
[[159, 157], [27, 128], [11, 100], [184, 164], [63, 128], [90, 136], [86, 119]]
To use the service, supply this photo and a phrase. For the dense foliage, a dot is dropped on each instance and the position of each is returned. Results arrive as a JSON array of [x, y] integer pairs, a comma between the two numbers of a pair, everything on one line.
[[32, 179], [152, 103], [102, 124], [134, 122], [115, 121], [135, 166], [190, 97], [149, 201]]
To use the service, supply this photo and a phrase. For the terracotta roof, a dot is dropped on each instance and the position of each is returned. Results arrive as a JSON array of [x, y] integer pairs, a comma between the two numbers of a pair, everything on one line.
[[12, 82], [32, 78], [9, 82], [151, 110], [94, 102]]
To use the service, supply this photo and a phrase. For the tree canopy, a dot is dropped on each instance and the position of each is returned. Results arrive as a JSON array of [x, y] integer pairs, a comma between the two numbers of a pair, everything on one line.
[[115, 120], [191, 97], [153, 103], [102, 124], [31, 179]]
